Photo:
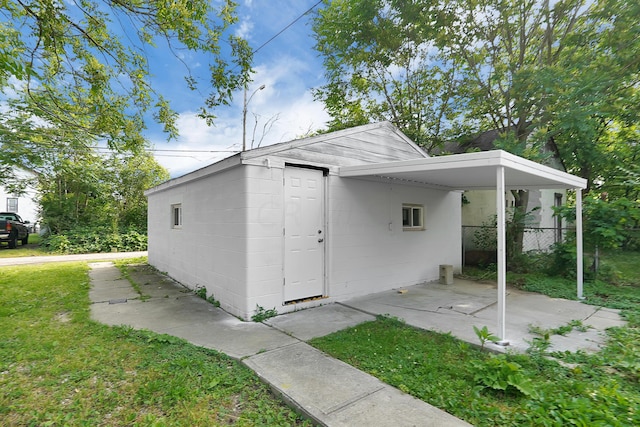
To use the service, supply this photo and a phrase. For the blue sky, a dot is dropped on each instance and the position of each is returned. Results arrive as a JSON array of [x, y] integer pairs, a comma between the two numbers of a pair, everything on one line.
[[289, 68]]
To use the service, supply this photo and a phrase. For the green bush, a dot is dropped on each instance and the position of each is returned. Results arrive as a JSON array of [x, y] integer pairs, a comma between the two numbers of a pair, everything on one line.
[[563, 260], [95, 240]]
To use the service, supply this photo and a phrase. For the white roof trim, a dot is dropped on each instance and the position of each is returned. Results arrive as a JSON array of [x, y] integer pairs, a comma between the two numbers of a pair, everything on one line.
[[196, 175], [470, 171]]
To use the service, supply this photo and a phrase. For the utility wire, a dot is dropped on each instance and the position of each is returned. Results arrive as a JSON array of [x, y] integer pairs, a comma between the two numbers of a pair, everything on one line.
[[174, 150], [286, 28]]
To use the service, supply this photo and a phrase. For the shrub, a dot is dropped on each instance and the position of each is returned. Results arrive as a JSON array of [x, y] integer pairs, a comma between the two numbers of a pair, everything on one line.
[[95, 240], [563, 261]]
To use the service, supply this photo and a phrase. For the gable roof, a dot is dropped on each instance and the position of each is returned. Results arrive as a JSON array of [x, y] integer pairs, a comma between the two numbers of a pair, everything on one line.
[[368, 144], [484, 141]]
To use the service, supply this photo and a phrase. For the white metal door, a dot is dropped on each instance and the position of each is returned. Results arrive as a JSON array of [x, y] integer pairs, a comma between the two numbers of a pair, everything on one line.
[[304, 233]]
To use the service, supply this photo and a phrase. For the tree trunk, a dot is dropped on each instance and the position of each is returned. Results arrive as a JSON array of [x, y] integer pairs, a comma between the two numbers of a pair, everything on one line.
[[516, 227]]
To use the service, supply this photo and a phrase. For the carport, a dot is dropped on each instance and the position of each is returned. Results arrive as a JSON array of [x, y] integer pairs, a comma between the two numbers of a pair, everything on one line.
[[489, 170]]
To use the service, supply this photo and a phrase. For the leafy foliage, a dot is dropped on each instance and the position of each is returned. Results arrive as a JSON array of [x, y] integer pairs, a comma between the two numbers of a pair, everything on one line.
[[516, 221], [263, 314], [498, 373], [83, 66], [75, 74], [484, 336], [83, 188], [550, 77], [201, 292], [607, 224], [95, 239]]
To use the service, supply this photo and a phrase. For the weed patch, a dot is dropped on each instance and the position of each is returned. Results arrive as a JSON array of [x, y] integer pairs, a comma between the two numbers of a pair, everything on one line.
[[489, 390], [201, 292], [262, 314]]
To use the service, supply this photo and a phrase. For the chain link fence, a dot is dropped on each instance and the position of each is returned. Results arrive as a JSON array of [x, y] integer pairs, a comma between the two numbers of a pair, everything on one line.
[[479, 242]]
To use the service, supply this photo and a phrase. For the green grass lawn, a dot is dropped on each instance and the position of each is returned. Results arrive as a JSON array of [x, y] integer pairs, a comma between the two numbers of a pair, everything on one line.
[[31, 249], [489, 390], [57, 367]]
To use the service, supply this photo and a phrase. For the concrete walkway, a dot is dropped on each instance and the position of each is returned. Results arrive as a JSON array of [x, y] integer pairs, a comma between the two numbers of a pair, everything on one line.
[[327, 390], [105, 256]]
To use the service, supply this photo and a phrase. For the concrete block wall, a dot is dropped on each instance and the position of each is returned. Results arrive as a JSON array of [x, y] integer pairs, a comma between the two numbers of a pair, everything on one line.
[[231, 239], [210, 248], [369, 250], [265, 251]]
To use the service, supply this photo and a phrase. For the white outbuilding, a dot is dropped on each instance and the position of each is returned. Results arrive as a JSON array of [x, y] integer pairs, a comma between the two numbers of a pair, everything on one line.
[[326, 218]]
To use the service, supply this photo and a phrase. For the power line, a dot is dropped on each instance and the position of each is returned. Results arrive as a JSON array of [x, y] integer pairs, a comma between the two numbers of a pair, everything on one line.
[[174, 150], [287, 27]]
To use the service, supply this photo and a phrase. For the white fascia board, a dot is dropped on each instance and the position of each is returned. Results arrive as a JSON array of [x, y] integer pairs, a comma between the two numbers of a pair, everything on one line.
[[196, 175], [527, 166], [469, 161]]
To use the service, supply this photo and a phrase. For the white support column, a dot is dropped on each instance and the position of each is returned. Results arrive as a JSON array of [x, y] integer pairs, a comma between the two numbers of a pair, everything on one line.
[[579, 248], [502, 256]]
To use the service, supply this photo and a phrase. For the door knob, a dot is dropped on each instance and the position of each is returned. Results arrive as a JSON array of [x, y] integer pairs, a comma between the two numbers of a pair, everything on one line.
[[320, 240]]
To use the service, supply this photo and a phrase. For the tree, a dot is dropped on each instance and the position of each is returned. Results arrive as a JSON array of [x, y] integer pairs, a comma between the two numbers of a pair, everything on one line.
[[131, 176], [83, 64], [93, 190], [536, 71], [380, 68], [74, 73]]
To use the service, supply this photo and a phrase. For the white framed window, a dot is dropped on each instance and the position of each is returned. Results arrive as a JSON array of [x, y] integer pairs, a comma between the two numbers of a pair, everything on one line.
[[176, 216], [412, 217], [12, 204]]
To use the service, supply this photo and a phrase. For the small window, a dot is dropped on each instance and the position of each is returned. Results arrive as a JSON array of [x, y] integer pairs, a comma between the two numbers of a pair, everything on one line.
[[412, 217], [12, 204], [176, 216]]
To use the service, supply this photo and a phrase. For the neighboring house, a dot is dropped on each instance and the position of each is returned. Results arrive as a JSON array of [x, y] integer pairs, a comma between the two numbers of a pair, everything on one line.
[[278, 227], [24, 204], [479, 208]]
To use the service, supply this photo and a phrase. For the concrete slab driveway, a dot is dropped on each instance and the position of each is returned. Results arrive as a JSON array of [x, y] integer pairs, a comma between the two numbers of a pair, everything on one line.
[[458, 307]]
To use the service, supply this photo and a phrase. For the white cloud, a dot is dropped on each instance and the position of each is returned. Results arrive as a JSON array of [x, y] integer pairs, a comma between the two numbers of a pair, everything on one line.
[[199, 145], [288, 68], [283, 97], [287, 95], [245, 28], [297, 115]]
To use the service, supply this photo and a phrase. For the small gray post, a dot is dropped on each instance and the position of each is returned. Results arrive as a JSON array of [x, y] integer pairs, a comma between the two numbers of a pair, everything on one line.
[[446, 274]]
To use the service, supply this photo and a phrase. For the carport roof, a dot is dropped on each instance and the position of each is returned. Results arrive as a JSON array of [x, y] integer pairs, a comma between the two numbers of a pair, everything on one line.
[[469, 171]]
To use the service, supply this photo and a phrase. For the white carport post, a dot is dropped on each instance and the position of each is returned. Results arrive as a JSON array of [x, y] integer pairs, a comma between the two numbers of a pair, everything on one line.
[[501, 255], [579, 249]]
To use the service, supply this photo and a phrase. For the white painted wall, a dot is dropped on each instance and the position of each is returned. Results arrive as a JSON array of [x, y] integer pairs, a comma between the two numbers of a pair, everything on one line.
[[231, 239], [370, 252], [265, 241], [210, 249], [27, 203]]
